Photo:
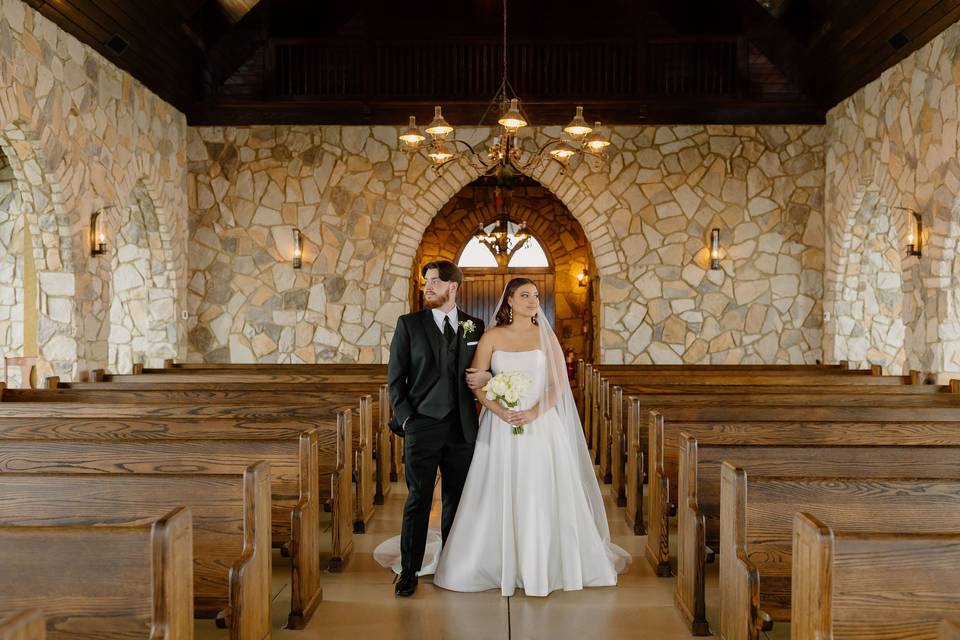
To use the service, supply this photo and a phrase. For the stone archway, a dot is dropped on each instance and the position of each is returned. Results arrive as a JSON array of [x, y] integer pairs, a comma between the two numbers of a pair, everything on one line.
[[593, 213], [141, 324], [868, 294], [34, 258], [550, 222]]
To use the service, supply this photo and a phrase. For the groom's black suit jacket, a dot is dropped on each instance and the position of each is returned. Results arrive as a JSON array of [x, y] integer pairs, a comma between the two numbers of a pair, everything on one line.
[[414, 370]]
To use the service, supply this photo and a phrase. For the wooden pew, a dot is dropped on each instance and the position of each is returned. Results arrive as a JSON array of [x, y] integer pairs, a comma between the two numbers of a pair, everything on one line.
[[370, 434], [756, 530], [767, 424], [864, 585], [230, 521], [264, 408], [104, 581], [23, 625], [661, 397], [600, 389], [698, 509], [172, 445]]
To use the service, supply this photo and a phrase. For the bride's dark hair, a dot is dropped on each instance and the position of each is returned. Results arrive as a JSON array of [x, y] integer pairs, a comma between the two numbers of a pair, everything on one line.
[[504, 317]]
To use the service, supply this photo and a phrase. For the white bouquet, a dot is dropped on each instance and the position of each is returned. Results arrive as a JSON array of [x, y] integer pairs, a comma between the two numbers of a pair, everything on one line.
[[507, 388]]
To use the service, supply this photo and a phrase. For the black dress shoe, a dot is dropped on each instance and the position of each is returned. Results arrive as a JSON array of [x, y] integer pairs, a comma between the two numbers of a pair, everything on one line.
[[406, 586]]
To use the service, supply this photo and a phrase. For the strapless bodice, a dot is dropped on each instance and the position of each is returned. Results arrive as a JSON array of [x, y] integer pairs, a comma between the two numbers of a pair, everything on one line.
[[532, 363]]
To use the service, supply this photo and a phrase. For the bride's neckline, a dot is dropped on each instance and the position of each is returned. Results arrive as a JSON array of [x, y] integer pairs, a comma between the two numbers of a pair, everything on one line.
[[527, 351]]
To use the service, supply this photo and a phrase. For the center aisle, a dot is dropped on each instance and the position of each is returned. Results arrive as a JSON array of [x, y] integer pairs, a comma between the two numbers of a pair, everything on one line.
[[359, 603]]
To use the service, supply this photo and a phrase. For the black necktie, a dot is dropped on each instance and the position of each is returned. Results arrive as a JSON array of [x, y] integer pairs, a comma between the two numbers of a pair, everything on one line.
[[448, 333]]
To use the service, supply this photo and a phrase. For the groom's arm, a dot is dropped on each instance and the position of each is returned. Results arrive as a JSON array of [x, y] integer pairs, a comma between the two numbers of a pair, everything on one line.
[[398, 370], [478, 378]]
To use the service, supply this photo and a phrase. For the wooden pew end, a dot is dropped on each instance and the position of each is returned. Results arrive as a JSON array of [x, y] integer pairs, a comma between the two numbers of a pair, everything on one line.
[[700, 628], [221, 620], [297, 620]]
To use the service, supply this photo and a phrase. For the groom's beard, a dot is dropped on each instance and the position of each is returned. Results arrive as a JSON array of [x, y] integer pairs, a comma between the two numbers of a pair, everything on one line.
[[436, 301]]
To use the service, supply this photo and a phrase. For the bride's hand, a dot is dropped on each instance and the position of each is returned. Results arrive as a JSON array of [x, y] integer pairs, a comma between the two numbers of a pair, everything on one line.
[[525, 416]]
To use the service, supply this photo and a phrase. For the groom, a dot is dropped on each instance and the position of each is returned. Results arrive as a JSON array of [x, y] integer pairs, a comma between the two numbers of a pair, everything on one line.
[[433, 408]]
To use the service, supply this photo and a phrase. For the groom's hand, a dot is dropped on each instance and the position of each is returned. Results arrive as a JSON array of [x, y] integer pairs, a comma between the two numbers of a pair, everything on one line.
[[477, 378]]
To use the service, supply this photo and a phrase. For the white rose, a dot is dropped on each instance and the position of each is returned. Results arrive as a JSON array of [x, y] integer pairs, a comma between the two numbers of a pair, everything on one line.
[[512, 396]]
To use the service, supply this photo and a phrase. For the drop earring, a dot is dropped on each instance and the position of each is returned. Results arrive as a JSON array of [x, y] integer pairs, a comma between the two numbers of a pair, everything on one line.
[[511, 315]]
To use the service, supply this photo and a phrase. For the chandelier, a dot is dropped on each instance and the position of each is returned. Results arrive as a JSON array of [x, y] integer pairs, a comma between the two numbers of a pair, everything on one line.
[[578, 138], [503, 237]]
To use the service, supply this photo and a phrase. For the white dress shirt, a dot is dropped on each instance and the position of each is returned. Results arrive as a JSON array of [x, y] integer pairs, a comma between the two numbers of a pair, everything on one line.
[[439, 315]]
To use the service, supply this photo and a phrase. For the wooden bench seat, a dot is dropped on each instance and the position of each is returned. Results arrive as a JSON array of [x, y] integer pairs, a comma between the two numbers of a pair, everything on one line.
[[371, 400], [27, 624], [297, 460], [599, 391], [247, 418], [767, 424], [698, 504], [637, 408], [230, 520], [103, 581], [860, 585], [756, 530]]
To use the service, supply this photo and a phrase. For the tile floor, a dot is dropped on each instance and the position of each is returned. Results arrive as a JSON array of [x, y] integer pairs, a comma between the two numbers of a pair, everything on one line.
[[359, 602]]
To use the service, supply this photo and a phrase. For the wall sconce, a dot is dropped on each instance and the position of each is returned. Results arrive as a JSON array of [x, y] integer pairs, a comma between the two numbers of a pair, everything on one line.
[[98, 237], [915, 235], [297, 248], [583, 277], [715, 248]]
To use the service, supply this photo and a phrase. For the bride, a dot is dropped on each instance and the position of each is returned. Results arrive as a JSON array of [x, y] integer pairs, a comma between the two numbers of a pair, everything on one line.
[[531, 515]]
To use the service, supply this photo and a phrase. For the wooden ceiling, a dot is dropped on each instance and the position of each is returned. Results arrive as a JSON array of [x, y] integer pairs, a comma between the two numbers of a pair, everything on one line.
[[626, 61]]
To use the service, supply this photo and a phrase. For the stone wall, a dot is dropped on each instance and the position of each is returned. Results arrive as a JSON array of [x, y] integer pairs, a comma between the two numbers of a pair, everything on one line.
[[363, 206], [560, 235], [893, 147], [80, 134]]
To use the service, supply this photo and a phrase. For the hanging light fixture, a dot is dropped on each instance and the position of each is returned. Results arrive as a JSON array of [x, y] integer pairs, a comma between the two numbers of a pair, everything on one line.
[[496, 235], [579, 137]]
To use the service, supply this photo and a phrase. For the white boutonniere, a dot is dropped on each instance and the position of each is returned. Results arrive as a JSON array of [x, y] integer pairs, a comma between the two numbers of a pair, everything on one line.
[[468, 327]]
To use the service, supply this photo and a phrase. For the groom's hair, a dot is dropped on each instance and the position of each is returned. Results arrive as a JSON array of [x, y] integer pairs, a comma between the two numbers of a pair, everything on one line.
[[449, 272]]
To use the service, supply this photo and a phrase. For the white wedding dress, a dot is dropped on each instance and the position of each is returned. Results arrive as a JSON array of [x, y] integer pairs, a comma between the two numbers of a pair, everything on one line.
[[531, 515]]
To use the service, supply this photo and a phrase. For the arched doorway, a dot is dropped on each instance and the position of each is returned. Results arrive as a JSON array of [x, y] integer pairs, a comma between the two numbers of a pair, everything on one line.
[[556, 256]]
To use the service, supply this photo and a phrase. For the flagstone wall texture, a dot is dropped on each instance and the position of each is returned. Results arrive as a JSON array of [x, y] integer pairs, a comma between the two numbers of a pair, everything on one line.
[[363, 206], [78, 134], [893, 147]]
